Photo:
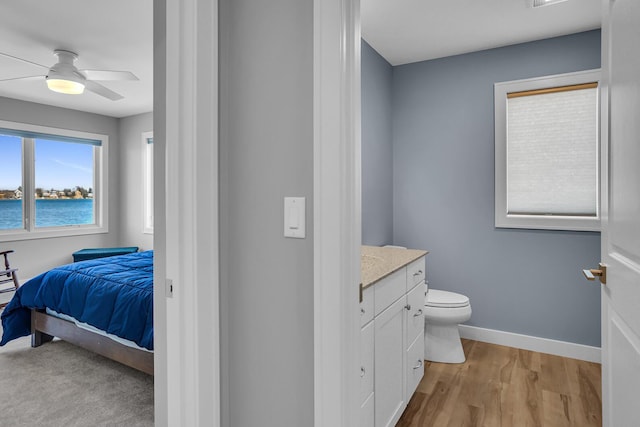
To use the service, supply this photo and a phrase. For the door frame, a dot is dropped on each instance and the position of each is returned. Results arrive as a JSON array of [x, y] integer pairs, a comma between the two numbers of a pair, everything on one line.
[[186, 240], [337, 212]]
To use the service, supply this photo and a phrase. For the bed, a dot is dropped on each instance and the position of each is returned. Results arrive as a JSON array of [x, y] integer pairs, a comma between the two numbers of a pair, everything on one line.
[[104, 305]]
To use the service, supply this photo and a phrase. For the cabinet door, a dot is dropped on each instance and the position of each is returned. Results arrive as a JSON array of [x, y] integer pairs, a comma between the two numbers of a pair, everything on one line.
[[366, 361], [415, 316], [389, 389], [366, 413], [414, 365]]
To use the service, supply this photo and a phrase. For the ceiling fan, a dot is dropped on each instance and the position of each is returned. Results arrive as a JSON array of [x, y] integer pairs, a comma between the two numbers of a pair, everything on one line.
[[64, 77]]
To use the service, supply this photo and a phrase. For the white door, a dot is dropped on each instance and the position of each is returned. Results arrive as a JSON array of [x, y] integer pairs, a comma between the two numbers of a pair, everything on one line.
[[621, 213]]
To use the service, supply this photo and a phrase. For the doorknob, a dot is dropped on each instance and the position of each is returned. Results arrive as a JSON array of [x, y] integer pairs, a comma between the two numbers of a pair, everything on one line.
[[601, 272]]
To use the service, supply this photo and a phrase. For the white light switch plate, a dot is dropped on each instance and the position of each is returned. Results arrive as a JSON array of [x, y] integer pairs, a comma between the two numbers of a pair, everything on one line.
[[294, 217]]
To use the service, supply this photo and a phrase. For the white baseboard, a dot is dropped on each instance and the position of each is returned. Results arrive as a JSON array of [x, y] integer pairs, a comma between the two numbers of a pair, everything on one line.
[[527, 342]]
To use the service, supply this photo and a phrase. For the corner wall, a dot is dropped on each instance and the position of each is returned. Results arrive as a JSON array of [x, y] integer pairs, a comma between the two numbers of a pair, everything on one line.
[[130, 194], [522, 281], [377, 149]]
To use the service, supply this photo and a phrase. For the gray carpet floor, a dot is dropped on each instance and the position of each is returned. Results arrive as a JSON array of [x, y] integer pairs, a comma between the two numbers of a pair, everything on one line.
[[58, 384]]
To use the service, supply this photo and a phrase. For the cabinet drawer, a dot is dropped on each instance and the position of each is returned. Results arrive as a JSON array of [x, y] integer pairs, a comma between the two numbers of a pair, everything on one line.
[[388, 290], [366, 361], [415, 316], [415, 365], [415, 273], [366, 306]]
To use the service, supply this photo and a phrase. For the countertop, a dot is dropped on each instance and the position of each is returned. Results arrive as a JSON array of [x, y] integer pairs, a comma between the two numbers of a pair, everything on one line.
[[379, 262]]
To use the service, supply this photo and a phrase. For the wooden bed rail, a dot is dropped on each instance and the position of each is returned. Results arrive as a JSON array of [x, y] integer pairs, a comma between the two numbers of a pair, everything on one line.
[[44, 327]]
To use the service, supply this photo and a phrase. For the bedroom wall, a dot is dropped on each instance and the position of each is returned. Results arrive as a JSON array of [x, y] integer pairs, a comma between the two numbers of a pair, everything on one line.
[[131, 181], [521, 281], [377, 149], [266, 153], [35, 256]]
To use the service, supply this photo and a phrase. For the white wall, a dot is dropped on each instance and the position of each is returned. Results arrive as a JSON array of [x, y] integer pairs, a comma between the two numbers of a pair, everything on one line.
[[130, 194], [266, 153], [33, 257]]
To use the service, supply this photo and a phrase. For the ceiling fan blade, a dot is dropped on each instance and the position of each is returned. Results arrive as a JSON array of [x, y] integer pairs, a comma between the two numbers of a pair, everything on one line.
[[23, 60], [104, 75], [24, 78], [102, 91]]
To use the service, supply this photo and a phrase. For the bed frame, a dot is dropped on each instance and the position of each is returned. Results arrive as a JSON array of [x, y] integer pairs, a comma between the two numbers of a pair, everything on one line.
[[44, 327]]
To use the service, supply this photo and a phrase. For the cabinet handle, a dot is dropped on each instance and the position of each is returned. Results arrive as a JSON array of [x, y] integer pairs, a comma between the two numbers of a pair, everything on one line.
[[361, 311], [417, 273], [362, 371], [418, 313], [408, 307], [418, 366]]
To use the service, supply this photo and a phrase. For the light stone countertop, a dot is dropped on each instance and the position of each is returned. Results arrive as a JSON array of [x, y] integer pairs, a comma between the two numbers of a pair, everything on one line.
[[379, 262]]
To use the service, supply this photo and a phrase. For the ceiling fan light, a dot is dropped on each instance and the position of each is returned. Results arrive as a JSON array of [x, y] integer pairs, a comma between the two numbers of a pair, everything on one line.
[[69, 87]]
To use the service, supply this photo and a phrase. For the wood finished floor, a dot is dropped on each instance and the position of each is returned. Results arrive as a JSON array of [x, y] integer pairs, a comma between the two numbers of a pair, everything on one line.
[[507, 387]]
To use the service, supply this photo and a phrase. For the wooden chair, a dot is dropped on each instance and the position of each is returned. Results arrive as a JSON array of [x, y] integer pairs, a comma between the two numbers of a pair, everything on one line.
[[8, 275]]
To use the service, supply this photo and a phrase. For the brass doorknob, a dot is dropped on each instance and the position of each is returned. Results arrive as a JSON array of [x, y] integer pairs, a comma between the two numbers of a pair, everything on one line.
[[591, 274]]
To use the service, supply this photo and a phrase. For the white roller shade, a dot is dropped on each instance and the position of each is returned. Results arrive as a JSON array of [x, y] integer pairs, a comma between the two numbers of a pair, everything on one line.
[[552, 153]]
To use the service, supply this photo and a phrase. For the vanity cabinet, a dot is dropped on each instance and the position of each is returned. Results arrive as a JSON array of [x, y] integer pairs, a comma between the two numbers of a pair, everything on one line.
[[392, 344]]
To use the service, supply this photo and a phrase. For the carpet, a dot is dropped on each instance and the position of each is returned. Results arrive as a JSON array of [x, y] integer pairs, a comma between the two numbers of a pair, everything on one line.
[[59, 384]]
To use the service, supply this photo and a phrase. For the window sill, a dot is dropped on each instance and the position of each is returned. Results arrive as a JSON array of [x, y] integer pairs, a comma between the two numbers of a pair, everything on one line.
[[51, 232], [543, 222]]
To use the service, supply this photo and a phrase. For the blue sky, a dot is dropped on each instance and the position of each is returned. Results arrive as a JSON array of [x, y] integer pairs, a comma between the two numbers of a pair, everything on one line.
[[59, 165]]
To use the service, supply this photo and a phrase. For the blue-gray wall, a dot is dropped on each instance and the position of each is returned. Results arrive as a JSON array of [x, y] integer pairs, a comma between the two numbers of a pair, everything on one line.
[[520, 281], [377, 150]]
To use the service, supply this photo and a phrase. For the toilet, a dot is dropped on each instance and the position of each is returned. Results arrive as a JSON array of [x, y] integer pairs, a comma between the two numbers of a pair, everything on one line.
[[443, 312]]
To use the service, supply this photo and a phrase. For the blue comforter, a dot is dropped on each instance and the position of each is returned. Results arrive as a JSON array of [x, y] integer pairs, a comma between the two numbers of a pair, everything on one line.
[[114, 294]]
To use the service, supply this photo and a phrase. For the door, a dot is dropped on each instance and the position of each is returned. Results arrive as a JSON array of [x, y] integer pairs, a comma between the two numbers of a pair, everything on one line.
[[621, 213]]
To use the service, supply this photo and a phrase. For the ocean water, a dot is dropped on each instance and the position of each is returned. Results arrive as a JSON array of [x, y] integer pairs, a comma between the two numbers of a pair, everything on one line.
[[49, 213]]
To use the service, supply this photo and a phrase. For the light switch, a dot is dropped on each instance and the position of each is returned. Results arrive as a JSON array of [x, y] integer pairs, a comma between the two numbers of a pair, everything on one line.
[[294, 217]]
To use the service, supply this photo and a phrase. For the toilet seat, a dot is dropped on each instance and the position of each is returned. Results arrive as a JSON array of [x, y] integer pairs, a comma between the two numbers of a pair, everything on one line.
[[445, 299]]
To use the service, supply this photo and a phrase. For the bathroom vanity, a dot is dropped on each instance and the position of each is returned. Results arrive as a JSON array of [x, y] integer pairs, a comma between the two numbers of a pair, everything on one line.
[[392, 332]]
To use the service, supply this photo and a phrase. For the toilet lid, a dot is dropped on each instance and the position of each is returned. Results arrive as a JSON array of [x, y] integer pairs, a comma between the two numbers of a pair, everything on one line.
[[437, 298]]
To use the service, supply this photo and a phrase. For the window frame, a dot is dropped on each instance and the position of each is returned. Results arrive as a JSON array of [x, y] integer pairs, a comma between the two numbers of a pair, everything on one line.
[[147, 183], [542, 222], [29, 230]]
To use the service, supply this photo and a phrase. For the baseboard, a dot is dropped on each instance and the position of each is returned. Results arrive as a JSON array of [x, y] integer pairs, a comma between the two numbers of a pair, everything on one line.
[[527, 342]]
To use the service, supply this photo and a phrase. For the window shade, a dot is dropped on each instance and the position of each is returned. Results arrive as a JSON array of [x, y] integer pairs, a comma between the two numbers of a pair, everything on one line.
[[552, 153], [50, 137]]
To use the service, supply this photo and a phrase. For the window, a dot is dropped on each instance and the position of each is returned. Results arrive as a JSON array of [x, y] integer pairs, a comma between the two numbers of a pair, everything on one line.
[[52, 182], [11, 183], [547, 152], [147, 189]]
